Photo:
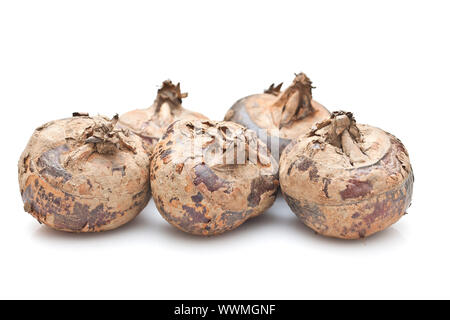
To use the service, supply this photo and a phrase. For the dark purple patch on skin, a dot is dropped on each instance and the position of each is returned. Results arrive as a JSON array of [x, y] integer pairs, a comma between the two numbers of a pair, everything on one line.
[[50, 163], [197, 198], [326, 182], [82, 216], [355, 189], [195, 215], [313, 176], [356, 215], [381, 210], [260, 186], [203, 174], [301, 164]]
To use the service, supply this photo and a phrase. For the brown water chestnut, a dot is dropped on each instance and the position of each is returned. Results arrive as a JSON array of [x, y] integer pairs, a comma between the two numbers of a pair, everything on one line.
[[151, 123], [208, 177], [82, 175], [278, 117], [346, 180]]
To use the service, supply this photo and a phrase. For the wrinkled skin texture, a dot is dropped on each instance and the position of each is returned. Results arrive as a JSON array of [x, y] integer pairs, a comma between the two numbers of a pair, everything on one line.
[[80, 175], [150, 124], [279, 117], [349, 185], [197, 191]]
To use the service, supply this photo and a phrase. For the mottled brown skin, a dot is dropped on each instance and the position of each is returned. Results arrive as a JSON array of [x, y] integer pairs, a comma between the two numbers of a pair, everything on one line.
[[279, 117], [199, 194], [150, 124], [71, 181], [339, 197]]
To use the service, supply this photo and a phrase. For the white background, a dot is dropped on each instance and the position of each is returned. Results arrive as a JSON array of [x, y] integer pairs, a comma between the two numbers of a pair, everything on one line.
[[387, 61]]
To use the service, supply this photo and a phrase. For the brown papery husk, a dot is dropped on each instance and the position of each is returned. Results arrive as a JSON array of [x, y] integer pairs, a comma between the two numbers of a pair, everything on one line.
[[197, 191], [347, 180], [81, 175], [279, 117], [150, 123]]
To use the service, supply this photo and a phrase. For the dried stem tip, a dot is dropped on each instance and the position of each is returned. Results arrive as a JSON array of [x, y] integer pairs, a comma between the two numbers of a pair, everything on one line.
[[171, 94], [274, 90], [295, 101], [106, 138], [341, 131]]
